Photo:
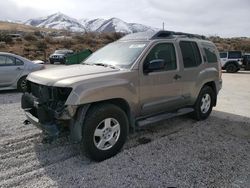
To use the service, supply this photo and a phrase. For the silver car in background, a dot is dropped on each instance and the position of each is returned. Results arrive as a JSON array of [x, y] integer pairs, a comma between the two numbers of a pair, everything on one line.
[[14, 69]]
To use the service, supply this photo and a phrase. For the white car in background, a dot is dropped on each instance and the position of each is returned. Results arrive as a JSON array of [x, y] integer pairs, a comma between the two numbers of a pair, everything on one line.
[[14, 70]]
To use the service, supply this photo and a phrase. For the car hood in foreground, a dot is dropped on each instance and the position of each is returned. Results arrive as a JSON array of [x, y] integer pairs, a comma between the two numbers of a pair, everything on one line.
[[69, 74]]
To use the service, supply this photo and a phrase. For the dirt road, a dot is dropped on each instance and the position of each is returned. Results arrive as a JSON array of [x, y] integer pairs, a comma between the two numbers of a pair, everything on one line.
[[177, 153]]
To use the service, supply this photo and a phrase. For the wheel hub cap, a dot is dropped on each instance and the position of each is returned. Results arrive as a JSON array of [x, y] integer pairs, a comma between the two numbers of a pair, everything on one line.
[[107, 134], [205, 103]]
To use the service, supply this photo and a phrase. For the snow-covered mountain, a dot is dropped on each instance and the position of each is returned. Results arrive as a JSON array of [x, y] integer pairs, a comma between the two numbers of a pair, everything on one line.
[[62, 21], [57, 21]]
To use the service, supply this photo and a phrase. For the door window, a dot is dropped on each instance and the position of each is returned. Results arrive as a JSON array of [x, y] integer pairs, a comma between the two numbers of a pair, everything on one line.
[[190, 54], [165, 52], [2, 60], [7, 60]]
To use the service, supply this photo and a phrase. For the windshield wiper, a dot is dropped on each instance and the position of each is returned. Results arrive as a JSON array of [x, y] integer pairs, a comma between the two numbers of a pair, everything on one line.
[[106, 65]]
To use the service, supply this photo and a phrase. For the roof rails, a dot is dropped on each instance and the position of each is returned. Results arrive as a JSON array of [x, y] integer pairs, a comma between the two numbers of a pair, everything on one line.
[[172, 34], [151, 35]]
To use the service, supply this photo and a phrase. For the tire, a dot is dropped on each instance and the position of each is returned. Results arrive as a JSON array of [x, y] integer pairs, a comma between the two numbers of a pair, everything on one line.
[[231, 68], [204, 103], [22, 84], [105, 131]]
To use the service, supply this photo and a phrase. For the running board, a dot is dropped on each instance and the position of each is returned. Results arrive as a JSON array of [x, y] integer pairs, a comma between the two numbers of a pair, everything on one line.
[[161, 117]]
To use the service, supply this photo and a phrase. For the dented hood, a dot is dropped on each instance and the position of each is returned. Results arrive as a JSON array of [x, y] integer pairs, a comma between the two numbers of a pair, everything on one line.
[[69, 74]]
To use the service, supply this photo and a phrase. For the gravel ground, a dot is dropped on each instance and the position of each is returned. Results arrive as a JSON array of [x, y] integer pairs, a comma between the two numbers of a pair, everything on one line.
[[179, 152]]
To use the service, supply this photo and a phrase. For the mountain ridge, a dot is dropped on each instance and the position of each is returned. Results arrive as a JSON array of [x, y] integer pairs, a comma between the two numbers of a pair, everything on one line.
[[62, 21]]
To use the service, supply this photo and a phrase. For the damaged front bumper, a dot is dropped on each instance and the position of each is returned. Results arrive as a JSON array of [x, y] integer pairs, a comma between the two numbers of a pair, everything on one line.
[[50, 120]]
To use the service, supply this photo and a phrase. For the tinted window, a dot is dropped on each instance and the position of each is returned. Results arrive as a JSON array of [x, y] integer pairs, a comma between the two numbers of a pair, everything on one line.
[[210, 54], [190, 54], [164, 51], [234, 55], [223, 55]]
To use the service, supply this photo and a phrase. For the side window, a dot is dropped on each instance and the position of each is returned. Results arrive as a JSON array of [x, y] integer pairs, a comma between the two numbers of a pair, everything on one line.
[[234, 54], [164, 51], [210, 54], [190, 54], [2, 60], [19, 62], [223, 55], [10, 61]]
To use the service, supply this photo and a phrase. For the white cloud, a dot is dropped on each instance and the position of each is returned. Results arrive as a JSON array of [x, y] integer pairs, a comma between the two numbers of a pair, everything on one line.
[[224, 17]]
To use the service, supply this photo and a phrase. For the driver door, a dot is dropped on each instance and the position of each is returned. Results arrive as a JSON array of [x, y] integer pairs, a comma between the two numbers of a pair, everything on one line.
[[160, 90]]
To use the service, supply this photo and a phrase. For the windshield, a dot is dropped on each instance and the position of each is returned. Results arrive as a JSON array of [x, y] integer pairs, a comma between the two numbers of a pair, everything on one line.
[[120, 54]]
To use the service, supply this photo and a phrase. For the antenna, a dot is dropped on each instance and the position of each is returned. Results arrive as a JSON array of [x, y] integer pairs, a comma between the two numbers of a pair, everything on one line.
[[163, 26]]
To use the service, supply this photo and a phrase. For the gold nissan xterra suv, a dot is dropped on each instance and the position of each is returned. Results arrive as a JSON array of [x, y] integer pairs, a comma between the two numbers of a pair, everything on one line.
[[138, 80]]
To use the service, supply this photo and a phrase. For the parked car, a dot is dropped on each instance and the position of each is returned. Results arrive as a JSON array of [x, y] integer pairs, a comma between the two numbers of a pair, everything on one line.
[[60, 56], [14, 70], [138, 80], [231, 61]]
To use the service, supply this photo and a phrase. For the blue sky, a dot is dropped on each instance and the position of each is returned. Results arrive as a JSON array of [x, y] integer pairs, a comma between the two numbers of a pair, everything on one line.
[[226, 18]]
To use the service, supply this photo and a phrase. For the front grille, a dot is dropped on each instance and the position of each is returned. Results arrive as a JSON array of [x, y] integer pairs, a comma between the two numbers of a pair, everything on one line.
[[48, 93]]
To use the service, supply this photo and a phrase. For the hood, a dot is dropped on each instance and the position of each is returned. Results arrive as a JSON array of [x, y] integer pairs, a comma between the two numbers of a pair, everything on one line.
[[70, 73]]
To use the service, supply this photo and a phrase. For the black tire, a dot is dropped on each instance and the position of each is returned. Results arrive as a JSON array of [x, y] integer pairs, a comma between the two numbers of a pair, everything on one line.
[[198, 113], [231, 68], [22, 84], [51, 62], [95, 116]]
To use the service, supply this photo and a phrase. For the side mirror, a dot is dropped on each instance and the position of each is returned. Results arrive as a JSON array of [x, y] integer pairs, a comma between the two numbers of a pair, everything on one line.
[[155, 65]]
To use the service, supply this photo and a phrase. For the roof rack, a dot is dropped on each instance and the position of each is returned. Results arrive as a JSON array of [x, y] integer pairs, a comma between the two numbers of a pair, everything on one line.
[[150, 35], [172, 34]]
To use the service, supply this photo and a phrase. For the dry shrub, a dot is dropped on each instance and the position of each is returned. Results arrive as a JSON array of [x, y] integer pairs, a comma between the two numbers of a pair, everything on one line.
[[30, 37]]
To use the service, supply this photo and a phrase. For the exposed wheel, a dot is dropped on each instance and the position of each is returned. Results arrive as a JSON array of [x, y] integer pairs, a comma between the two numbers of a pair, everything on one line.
[[105, 131], [204, 103], [22, 84], [231, 68]]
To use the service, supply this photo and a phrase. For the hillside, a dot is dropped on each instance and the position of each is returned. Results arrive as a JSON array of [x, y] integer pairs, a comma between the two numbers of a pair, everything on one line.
[[39, 43], [8, 26]]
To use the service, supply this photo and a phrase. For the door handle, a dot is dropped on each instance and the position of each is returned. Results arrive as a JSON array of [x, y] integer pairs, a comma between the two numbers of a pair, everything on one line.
[[177, 77], [18, 68]]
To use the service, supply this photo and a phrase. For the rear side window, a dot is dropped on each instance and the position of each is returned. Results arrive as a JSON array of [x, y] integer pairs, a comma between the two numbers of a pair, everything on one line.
[[210, 54], [234, 54], [19, 62], [190, 54]]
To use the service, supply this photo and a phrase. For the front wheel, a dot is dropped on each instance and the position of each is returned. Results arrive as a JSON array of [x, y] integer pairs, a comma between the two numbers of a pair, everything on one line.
[[104, 131], [204, 103], [22, 84]]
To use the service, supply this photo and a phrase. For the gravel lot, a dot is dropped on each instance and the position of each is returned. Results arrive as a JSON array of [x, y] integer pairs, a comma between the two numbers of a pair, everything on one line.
[[179, 152]]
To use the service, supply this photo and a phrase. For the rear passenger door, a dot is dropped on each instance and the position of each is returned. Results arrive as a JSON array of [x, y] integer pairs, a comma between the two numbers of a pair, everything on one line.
[[192, 67], [10, 70]]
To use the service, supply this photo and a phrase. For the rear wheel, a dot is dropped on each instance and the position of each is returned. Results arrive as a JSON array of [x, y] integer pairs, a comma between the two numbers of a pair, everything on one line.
[[104, 131], [204, 103], [231, 68], [22, 84]]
